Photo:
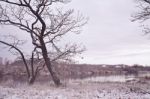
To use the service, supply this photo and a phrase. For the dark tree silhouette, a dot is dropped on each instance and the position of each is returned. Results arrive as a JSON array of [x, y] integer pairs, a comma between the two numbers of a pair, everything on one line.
[[46, 27]]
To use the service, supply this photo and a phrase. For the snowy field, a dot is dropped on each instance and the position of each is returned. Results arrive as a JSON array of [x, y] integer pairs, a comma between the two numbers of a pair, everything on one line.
[[76, 89]]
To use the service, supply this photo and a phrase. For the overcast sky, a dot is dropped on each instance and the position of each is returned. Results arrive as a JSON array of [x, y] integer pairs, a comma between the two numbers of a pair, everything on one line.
[[110, 37]]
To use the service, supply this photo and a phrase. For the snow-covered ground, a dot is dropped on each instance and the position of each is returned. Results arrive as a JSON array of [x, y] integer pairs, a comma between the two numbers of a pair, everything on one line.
[[75, 89]]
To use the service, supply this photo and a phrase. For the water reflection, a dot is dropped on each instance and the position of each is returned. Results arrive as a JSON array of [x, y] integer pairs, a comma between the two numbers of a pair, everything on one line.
[[117, 78], [113, 78]]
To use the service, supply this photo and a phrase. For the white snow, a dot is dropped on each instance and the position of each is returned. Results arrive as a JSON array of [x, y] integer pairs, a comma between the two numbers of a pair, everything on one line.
[[75, 90]]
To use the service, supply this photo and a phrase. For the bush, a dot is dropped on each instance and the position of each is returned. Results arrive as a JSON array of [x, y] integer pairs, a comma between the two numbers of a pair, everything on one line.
[[147, 77], [1, 76]]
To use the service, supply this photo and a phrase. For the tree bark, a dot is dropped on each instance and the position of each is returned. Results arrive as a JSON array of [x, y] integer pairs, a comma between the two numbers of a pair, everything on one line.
[[32, 80], [48, 64]]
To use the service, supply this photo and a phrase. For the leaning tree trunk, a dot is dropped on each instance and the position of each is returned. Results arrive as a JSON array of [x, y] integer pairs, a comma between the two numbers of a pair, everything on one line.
[[49, 65], [32, 80]]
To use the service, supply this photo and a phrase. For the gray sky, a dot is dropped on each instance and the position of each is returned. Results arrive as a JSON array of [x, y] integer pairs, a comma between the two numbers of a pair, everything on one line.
[[110, 37]]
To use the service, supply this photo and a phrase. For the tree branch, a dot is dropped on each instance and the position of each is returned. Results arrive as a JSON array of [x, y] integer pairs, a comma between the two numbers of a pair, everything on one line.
[[14, 3], [21, 53]]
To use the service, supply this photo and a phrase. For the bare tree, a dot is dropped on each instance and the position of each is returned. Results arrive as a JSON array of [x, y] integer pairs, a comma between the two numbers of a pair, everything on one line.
[[143, 14], [46, 28]]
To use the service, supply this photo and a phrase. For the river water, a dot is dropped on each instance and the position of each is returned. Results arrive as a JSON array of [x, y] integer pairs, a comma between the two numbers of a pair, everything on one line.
[[117, 78]]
